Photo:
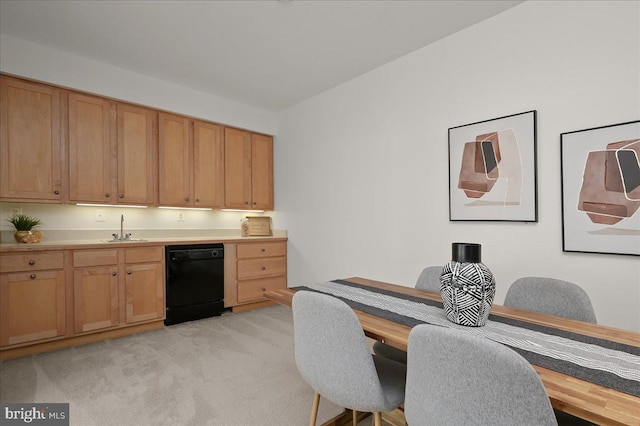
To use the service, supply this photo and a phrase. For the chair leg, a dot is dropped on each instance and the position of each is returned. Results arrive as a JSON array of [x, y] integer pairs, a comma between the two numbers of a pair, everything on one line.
[[377, 418], [355, 417], [314, 409]]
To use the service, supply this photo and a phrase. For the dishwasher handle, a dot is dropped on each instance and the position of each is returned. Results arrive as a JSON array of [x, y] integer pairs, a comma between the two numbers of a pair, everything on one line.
[[191, 255]]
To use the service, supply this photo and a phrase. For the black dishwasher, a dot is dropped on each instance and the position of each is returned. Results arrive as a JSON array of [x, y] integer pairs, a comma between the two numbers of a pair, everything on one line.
[[195, 282]]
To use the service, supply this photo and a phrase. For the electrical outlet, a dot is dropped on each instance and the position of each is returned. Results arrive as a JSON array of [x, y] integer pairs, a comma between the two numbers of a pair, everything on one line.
[[180, 217], [100, 215], [15, 211]]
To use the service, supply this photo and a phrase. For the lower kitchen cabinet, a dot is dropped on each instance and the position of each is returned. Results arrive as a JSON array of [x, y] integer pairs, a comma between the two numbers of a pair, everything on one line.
[[144, 292], [33, 306], [56, 298], [259, 267], [53, 299], [95, 290], [32, 298], [95, 295]]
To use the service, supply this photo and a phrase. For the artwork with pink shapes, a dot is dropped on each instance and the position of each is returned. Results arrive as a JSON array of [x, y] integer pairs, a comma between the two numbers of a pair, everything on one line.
[[492, 170], [601, 189]]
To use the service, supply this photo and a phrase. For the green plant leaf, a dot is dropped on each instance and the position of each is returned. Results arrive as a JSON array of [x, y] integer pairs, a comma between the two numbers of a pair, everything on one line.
[[23, 222]]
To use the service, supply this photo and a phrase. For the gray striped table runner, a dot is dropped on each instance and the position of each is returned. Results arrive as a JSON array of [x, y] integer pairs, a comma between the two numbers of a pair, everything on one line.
[[600, 361]]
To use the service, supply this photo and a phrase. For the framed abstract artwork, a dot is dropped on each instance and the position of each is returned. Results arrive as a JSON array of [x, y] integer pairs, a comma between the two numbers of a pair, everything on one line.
[[492, 170], [600, 174]]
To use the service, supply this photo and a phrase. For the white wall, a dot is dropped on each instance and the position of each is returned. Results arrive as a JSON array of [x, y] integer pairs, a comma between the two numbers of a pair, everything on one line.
[[361, 170], [35, 61], [71, 217]]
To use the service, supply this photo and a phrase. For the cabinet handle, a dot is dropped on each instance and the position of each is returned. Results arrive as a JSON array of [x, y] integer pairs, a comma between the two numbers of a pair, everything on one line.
[[33, 276], [197, 200], [263, 250], [264, 289], [128, 272], [56, 192], [246, 202], [121, 195], [107, 195], [32, 262], [113, 274], [186, 198], [254, 203], [264, 268]]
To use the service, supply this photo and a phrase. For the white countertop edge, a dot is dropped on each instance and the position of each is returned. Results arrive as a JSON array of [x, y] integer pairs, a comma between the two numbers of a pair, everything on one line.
[[90, 237]]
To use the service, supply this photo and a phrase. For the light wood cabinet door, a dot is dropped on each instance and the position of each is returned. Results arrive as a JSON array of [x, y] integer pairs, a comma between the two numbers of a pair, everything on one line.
[[175, 161], [261, 172], [262, 249], [30, 145], [208, 165], [253, 291], [137, 155], [32, 306], [144, 292], [237, 169], [92, 149], [95, 296], [248, 173], [261, 267]]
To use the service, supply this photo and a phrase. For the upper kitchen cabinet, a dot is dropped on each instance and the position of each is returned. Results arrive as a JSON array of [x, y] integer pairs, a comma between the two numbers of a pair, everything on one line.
[[262, 172], [208, 164], [191, 162], [92, 149], [248, 170], [30, 145], [137, 155], [175, 151]]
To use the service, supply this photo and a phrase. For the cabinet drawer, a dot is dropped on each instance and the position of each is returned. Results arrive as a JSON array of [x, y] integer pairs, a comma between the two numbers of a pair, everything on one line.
[[95, 258], [144, 254], [266, 249], [250, 291], [259, 268], [31, 262]]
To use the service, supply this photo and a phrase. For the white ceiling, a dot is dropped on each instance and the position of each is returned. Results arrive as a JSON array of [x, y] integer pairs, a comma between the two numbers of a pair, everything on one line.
[[267, 53]]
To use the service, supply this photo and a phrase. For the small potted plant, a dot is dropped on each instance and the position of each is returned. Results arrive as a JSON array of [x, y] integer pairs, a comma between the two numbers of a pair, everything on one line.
[[24, 225]]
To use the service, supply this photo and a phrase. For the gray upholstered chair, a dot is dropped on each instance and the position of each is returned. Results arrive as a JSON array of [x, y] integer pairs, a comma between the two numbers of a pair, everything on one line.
[[551, 296], [554, 297], [454, 378], [428, 280], [333, 356]]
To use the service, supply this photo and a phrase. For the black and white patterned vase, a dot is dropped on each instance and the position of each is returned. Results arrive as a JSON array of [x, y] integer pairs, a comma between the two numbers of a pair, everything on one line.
[[467, 286]]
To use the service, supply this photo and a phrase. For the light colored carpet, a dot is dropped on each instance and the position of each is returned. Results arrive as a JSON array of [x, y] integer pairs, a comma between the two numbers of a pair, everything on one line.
[[237, 369]]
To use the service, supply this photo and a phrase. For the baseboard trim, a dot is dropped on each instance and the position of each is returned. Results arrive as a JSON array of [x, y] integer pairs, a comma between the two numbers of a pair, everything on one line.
[[249, 306]]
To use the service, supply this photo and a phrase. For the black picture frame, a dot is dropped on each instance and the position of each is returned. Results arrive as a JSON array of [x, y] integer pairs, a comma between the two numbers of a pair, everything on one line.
[[493, 169]]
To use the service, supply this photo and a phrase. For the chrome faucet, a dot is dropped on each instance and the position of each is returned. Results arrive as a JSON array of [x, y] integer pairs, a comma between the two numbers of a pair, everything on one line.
[[122, 236]]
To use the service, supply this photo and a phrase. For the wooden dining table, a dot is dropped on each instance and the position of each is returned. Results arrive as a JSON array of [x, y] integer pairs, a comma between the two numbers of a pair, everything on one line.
[[581, 398]]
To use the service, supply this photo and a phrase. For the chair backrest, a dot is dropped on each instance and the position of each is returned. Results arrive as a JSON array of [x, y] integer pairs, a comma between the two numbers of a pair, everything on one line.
[[551, 296], [454, 378], [332, 353], [429, 279]]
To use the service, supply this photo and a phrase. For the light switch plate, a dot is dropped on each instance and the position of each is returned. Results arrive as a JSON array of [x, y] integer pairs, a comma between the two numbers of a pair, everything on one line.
[[100, 215]]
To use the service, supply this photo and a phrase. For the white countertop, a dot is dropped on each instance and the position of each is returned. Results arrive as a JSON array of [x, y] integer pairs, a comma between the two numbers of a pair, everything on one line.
[[97, 239]]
